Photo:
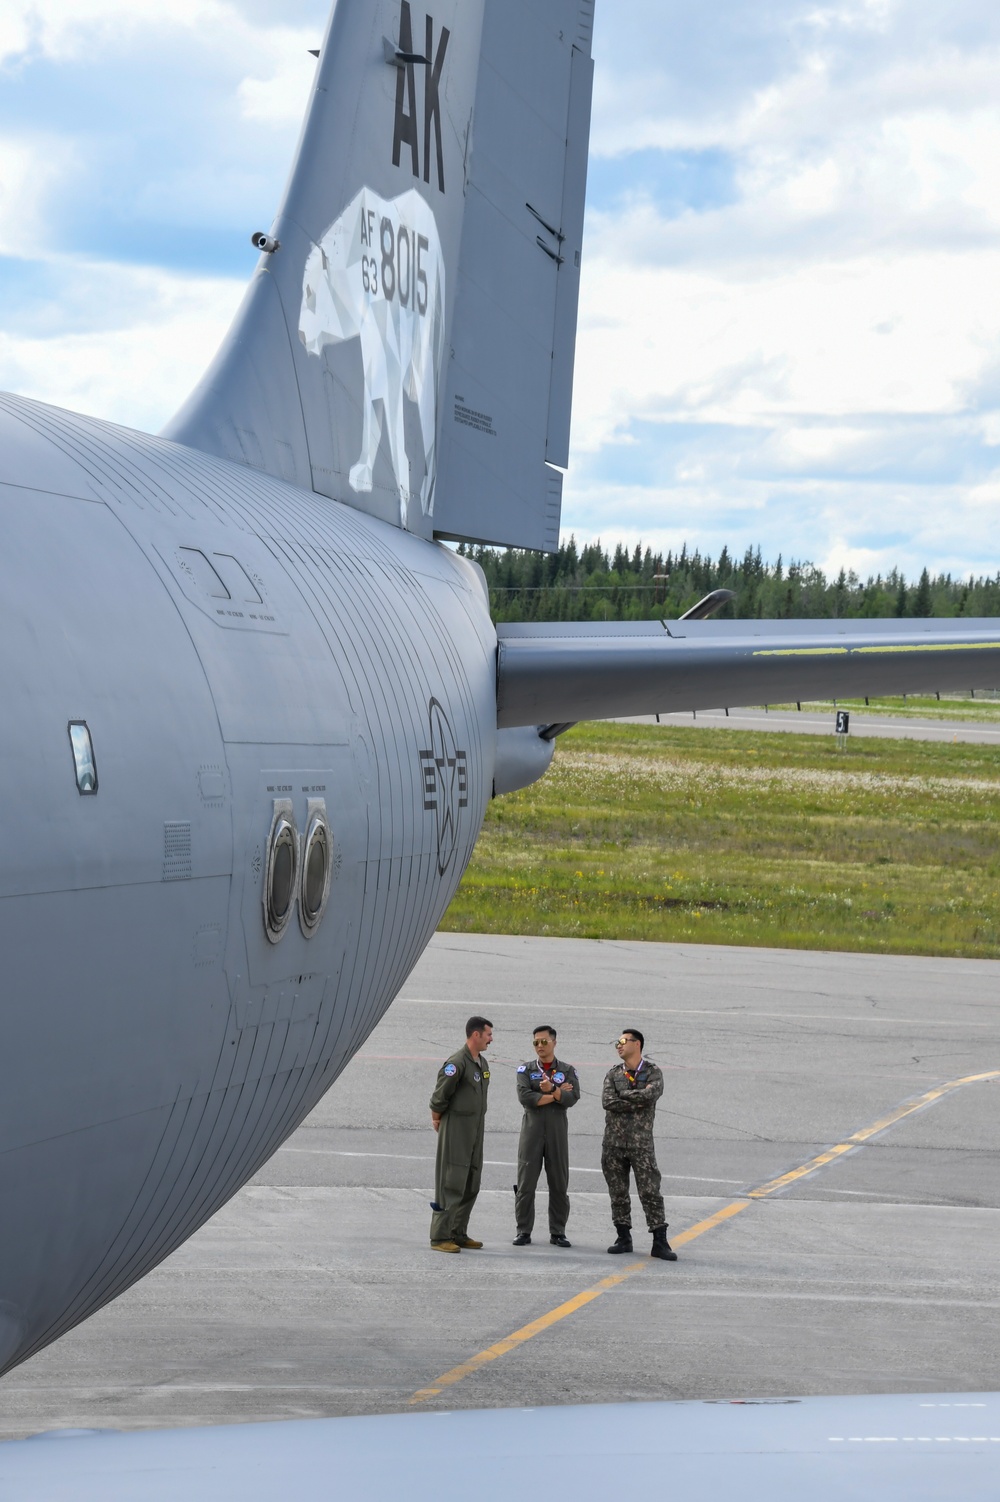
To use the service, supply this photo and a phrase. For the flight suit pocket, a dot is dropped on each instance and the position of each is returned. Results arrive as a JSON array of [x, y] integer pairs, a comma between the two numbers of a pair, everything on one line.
[[455, 1176]]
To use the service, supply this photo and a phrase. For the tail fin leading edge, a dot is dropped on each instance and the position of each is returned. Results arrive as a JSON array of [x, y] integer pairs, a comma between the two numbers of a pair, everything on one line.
[[408, 347]]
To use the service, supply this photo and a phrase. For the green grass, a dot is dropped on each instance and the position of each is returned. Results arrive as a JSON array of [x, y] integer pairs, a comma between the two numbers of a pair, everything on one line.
[[733, 837], [959, 709]]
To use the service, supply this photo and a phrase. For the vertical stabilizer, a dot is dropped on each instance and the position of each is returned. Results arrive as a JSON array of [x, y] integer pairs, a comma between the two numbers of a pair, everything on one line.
[[406, 343]]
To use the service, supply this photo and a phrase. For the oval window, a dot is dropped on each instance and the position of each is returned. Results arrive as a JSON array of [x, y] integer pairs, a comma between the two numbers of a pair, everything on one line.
[[316, 864], [280, 874], [83, 756]]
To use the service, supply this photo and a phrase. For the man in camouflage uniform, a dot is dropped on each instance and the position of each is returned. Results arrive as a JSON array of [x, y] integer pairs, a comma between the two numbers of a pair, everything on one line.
[[546, 1088], [458, 1113], [631, 1090]]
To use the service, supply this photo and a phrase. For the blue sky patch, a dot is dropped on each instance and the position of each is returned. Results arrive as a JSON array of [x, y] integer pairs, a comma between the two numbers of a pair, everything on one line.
[[675, 181]]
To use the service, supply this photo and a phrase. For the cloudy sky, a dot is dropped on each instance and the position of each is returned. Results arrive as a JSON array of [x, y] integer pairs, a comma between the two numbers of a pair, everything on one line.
[[790, 318]]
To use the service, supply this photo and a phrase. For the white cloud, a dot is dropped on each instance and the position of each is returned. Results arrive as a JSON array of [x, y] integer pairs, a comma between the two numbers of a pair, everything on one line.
[[138, 339], [74, 29], [901, 334], [124, 117], [281, 97], [812, 365], [31, 168]]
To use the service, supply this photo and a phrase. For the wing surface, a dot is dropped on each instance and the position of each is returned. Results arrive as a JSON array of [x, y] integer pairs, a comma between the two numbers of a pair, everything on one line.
[[556, 673], [914, 1448]]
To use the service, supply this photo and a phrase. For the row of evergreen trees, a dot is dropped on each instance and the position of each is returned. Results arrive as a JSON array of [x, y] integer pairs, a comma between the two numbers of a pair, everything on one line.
[[593, 584]]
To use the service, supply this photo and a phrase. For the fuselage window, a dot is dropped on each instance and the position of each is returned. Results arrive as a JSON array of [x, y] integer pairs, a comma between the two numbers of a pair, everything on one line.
[[197, 567], [83, 756]]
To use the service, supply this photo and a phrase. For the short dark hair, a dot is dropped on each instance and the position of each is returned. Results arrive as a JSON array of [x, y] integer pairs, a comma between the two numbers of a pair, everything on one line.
[[636, 1035], [476, 1025], [544, 1028]]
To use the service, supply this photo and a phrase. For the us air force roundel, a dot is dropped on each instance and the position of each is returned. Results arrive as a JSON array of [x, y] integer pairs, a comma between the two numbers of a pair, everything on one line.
[[445, 771], [450, 1069]]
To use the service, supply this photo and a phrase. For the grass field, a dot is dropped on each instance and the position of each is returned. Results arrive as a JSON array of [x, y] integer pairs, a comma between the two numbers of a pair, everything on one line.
[[733, 837], [982, 710]]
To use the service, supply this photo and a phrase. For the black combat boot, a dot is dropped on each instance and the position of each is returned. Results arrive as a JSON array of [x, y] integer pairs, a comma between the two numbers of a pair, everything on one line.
[[624, 1242], [661, 1246]]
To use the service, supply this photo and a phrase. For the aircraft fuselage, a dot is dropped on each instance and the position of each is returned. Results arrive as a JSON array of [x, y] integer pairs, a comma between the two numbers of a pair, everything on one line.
[[190, 959]]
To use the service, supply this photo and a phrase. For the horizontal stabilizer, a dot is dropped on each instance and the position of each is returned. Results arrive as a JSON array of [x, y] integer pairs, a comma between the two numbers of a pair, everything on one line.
[[557, 673]]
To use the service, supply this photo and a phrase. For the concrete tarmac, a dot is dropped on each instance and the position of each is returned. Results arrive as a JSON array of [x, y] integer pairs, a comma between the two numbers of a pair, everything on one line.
[[811, 721], [314, 1292]]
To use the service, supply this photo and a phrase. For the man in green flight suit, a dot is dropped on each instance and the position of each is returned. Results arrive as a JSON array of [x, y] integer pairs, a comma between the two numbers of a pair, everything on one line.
[[631, 1089], [458, 1111], [546, 1088]]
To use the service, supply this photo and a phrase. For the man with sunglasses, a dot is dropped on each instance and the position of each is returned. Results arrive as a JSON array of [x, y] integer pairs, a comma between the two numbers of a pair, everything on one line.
[[631, 1089], [546, 1088]]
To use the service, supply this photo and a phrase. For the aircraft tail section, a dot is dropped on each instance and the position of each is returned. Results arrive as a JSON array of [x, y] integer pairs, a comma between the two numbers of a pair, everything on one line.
[[406, 343]]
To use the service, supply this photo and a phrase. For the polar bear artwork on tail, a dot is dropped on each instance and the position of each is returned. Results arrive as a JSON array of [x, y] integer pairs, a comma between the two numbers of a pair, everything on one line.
[[378, 275]]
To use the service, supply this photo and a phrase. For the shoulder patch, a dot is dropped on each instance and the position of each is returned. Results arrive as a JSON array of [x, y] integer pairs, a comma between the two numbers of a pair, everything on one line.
[[521, 1068], [450, 1069]]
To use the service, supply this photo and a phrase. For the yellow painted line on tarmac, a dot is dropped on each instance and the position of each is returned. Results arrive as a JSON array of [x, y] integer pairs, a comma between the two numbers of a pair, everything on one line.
[[546, 1321], [511, 1342], [848, 1145], [726, 1213]]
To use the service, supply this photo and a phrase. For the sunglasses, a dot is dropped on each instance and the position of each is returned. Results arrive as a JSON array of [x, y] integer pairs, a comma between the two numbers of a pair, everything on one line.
[[620, 1042]]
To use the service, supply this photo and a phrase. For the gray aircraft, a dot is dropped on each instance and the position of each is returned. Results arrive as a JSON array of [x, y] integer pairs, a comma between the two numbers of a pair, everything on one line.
[[255, 708], [918, 1447]]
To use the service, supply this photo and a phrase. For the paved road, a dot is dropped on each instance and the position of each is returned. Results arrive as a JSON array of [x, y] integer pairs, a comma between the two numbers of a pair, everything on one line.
[[314, 1291], [812, 722]]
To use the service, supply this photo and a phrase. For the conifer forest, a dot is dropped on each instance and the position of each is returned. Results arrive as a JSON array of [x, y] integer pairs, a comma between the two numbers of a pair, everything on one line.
[[594, 583]]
